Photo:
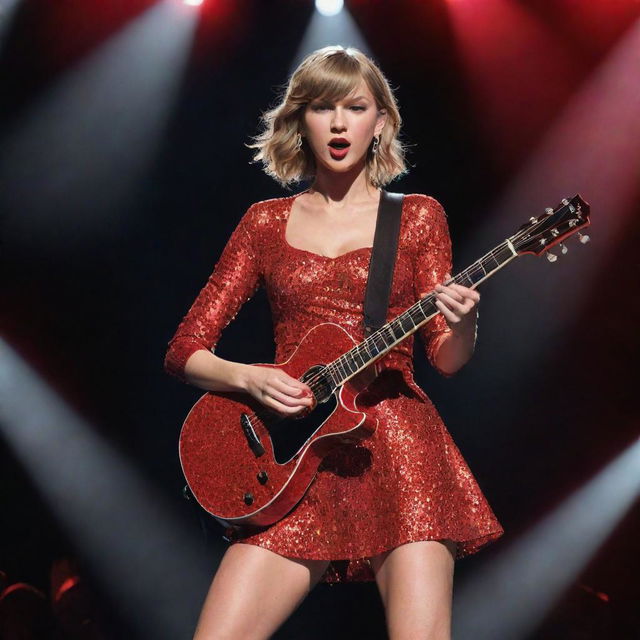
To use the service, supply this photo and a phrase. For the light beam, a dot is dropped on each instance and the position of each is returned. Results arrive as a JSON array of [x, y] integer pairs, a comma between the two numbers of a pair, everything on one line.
[[509, 599], [133, 542]]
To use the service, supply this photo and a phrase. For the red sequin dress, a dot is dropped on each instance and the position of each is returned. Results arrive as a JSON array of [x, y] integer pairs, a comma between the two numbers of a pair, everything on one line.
[[408, 481]]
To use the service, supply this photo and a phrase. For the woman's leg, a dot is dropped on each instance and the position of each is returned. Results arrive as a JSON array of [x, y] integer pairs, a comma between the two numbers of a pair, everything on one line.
[[253, 592], [416, 585]]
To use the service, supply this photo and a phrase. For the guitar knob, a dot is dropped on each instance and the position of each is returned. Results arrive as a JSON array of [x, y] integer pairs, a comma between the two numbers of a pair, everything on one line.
[[563, 249], [583, 238], [248, 498], [552, 257], [262, 477]]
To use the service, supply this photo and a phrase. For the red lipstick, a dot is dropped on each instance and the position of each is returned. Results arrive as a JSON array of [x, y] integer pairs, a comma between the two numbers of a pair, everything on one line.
[[338, 148]]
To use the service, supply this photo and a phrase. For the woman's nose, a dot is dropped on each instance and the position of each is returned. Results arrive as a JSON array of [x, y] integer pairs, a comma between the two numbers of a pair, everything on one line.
[[337, 121]]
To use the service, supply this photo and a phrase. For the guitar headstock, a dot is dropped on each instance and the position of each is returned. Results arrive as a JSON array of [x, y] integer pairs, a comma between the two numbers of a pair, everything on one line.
[[540, 234]]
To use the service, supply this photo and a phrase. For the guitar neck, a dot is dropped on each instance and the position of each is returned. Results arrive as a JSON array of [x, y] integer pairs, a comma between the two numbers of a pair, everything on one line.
[[379, 343]]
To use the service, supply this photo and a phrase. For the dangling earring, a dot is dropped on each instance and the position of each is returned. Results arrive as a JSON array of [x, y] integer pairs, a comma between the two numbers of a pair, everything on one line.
[[298, 141], [376, 143]]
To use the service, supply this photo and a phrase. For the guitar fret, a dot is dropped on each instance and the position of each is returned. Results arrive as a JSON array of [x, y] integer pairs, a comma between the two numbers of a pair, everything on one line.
[[465, 279], [493, 257], [420, 310], [406, 327]]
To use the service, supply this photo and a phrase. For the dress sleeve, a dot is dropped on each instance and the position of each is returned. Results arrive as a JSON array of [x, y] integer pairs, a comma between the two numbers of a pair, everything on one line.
[[432, 262], [234, 280]]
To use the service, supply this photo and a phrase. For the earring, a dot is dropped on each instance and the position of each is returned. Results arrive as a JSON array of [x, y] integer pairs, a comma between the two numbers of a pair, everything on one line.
[[298, 141], [376, 144]]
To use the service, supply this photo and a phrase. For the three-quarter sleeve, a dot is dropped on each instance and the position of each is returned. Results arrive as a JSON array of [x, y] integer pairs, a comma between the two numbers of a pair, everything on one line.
[[235, 278], [432, 262]]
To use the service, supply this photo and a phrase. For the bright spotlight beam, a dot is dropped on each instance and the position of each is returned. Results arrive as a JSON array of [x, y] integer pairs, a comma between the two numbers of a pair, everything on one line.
[[327, 29], [592, 149], [140, 552], [7, 12], [510, 597], [74, 160]]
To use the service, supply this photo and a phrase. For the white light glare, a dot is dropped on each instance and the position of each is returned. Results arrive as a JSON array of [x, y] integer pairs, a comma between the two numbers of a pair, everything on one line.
[[193, 3], [329, 7]]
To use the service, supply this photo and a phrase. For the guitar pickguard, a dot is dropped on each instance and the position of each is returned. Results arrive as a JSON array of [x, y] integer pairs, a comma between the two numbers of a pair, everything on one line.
[[289, 435]]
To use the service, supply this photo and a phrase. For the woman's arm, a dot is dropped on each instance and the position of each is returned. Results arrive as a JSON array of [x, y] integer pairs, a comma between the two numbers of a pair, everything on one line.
[[212, 373], [190, 356], [458, 305], [235, 278], [273, 387], [450, 337]]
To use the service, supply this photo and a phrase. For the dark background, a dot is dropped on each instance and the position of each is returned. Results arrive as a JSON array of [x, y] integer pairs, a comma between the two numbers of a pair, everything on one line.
[[93, 314]]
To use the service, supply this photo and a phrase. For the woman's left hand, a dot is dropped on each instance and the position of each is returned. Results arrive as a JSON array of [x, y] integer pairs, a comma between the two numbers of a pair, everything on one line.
[[458, 305]]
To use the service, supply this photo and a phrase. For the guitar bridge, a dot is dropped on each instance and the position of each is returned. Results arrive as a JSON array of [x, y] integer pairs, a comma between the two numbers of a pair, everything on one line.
[[252, 438]]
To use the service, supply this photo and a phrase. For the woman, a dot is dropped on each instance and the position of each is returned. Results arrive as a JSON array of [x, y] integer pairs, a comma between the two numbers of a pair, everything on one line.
[[401, 505]]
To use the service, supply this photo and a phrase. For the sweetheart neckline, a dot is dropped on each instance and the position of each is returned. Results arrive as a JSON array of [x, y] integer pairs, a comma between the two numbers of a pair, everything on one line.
[[312, 253]]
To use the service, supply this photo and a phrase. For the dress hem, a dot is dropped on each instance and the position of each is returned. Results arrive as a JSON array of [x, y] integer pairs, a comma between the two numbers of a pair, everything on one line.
[[464, 548]]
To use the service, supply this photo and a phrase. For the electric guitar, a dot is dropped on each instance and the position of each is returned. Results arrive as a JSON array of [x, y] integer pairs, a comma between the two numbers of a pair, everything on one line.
[[248, 465]]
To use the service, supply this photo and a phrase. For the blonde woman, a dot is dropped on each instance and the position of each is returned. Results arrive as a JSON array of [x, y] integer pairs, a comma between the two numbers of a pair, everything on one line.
[[402, 505]]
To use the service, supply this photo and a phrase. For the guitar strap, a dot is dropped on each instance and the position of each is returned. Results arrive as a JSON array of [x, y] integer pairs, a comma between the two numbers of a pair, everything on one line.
[[383, 259]]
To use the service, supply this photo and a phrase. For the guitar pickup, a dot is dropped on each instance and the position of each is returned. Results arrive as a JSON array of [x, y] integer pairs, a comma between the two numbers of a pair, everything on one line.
[[252, 438]]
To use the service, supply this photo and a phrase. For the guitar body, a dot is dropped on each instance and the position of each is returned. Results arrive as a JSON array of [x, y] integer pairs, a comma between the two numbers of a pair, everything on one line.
[[253, 472]]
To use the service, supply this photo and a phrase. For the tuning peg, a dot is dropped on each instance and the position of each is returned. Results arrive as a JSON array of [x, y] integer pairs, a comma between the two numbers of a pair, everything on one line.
[[583, 238], [563, 249], [549, 211], [552, 257]]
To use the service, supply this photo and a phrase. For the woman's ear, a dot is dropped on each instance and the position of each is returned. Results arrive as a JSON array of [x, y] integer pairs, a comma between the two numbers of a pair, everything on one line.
[[381, 121]]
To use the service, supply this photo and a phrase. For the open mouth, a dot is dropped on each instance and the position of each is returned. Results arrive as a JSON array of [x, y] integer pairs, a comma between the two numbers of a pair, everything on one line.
[[339, 148]]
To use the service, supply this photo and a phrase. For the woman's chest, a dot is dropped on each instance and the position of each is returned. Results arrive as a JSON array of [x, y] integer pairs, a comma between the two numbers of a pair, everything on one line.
[[330, 236], [295, 278]]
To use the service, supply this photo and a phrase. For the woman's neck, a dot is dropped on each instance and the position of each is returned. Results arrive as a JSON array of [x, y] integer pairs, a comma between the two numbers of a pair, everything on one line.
[[342, 189]]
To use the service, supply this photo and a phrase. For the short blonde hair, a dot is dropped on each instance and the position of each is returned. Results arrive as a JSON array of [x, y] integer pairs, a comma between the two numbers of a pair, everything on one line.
[[330, 73]]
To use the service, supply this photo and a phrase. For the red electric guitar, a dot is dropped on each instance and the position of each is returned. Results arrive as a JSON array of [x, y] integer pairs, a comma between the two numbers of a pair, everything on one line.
[[247, 465]]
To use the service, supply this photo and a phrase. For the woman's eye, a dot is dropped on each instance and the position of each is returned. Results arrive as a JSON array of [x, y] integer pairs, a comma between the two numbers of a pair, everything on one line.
[[357, 108], [320, 107]]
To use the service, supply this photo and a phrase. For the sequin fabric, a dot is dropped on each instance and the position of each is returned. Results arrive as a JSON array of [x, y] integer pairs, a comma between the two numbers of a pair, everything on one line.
[[407, 482]]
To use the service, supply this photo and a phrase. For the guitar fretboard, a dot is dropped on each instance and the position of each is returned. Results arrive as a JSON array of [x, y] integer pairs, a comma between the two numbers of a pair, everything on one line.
[[384, 339]]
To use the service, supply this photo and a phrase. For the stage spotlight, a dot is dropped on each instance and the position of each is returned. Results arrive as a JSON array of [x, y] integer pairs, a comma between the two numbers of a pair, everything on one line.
[[193, 3], [133, 543], [337, 27], [329, 7], [7, 14], [511, 597], [91, 136]]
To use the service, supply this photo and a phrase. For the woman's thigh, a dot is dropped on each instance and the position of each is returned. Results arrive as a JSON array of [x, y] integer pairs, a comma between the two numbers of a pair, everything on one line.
[[416, 585], [253, 592]]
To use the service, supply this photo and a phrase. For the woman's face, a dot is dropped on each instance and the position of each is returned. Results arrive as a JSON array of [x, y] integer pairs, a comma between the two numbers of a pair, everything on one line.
[[340, 133]]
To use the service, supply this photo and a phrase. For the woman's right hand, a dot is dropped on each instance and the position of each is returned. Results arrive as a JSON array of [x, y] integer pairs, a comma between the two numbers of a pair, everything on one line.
[[277, 390]]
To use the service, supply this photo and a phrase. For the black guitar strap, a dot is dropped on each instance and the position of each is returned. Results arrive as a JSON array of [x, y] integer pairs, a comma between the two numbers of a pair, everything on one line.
[[383, 259]]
